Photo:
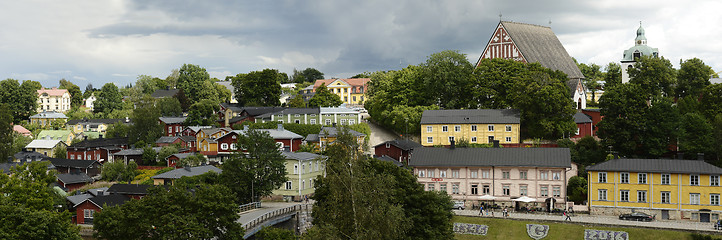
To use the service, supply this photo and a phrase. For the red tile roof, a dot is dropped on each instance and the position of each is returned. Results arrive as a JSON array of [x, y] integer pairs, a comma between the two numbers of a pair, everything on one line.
[[53, 91]]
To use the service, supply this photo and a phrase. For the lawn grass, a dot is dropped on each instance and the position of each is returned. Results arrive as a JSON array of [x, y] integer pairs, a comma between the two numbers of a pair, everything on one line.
[[508, 229]]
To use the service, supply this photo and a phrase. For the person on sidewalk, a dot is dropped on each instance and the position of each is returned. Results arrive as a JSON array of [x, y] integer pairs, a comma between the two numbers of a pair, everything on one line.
[[506, 213], [481, 210], [566, 214]]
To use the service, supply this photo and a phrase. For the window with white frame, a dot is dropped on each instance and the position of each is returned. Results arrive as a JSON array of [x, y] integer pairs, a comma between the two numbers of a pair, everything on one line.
[[455, 188], [485, 174], [429, 129], [556, 191], [224, 146], [455, 173], [295, 168], [602, 178], [624, 195], [602, 194], [642, 196], [303, 168], [442, 173], [665, 197], [88, 213], [429, 139], [491, 128], [664, 180], [233, 146], [303, 184], [556, 175], [444, 128], [508, 139], [624, 177], [486, 189], [328, 121], [422, 173], [522, 190], [451, 139], [694, 180], [430, 187], [343, 121], [473, 139], [457, 128], [473, 128], [289, 185], [714, 180], [313, 121], [544, 191], [431, 173], [523, 175], [714, 199], [543, 175], [694, 198], [474, 173], [508, 128], [577, 132], [474, 189], [505, 190], [642, 178], [442, 187], [505, 174]]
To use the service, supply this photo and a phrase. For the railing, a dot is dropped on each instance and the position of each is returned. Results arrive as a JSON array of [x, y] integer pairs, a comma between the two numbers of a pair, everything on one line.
[[250, 206], [270, 215]]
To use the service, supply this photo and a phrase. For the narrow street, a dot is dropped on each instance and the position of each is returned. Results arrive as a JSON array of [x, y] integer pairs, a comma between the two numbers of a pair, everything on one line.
[[378, 135]]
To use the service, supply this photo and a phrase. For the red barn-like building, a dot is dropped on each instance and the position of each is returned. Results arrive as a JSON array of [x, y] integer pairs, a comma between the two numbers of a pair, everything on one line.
[[399, 150]]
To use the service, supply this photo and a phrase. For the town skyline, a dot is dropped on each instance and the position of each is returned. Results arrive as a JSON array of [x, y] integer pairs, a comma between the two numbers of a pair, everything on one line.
[[99, 42]]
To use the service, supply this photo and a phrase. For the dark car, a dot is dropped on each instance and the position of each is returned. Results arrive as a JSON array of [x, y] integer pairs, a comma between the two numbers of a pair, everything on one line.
[[637, 216], [718, 225]]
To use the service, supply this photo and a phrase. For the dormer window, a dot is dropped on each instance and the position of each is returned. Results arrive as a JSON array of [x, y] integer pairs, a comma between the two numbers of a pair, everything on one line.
[[637, 54]]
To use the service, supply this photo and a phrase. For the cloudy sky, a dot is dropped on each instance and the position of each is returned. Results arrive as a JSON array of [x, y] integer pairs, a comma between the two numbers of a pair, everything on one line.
[[115, 41]]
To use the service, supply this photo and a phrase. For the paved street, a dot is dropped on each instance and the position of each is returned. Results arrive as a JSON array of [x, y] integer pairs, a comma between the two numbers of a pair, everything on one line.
[[606, 220], [378, 135]]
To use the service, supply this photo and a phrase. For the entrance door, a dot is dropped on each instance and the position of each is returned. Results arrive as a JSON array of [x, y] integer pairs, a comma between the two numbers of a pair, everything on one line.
[[704, 217], [665, 214], [491, 139]]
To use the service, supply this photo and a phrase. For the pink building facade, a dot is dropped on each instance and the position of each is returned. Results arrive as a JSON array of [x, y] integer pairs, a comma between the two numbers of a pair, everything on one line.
[[505, 174]]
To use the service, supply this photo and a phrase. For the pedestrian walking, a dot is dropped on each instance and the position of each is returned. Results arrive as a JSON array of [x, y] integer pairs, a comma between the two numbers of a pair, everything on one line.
[[506, 213], [566, 214], [481, 210]]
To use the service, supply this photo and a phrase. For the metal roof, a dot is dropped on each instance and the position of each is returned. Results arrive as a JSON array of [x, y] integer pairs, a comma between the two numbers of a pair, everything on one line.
[[470, 116], [70, 178], [51, 114], [656, 166], [302, 156], [43, 143], [75, 163], [187, 172], [171, 120], [402, 144], [581, 118], [499, 157]]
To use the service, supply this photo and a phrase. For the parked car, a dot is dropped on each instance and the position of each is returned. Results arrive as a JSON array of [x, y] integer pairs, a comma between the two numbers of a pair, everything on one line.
[[459, 205], [637, 216], [718, 225]]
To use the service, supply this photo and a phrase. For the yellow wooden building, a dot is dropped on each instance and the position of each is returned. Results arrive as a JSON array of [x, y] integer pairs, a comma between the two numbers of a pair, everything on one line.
[[667, 188], [302, 168], [351, 90], [440, 127]]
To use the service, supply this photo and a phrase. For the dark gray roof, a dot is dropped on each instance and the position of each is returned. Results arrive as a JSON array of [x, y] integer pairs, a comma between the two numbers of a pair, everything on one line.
[[29, 156], [540, 44], [70, 178], [188, 138], [166, 139], [164, 93], [137, 189], [101, 142], [302, 156], [463, 157], [235, 107], [256, 111], [291, 111], [172, 120], [470, 116], [385, 158], [656, 166], [592, 109], [402, 144], [95, 121], [7, 166], [581, 118], [109, 200], [312, 138], [187, 172], [78, 199], [332, 132], [181, 155], [74, 163]]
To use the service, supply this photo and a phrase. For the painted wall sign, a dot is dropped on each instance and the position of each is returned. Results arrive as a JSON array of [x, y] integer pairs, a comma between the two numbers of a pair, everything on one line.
[[468, 228], [593, 234], [537, 231]]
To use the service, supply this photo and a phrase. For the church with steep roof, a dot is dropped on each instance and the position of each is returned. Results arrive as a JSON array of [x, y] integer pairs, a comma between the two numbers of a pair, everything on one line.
[[533, 43], [632, 54]]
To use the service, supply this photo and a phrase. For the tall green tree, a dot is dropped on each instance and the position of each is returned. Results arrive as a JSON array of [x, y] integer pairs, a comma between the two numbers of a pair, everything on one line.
[[623, 108], [613, 75], [710, 102], [655, 76], [27, 201], [119, 171], [353, 202], [21, 98], [117, 130], [89, 90], [577, 189], [696, 135], [312, 74], [297, 101], [6, 132], [188, 212], [146, 127], [324, 98], [191, 79], [692, 77], [592, 76], [169, 106], [258, 88], [108, 99], [446, 76], [257, 173], [76, 96], [202, 113]]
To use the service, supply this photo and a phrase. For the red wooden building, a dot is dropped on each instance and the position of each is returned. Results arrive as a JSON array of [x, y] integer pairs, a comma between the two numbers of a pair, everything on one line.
[[584, 126], [596, 117], [100, 149], [400, 150], [172, 125], [87, 209]]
